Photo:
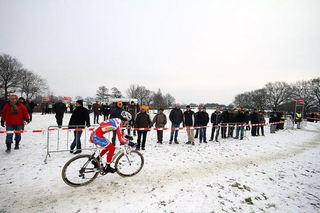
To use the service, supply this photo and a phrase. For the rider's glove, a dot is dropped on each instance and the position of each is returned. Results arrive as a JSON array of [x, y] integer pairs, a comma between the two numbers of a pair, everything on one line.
[[129, 137], [2, 124], [131, 144]]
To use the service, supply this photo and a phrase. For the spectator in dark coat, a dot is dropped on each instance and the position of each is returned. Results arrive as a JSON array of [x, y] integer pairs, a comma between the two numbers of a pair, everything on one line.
[[13, 116], [96, 112], [142, 121], [254, 122], [224, 123], [116, 113], [203, 121], [60, 109], [176, 118], [132, 109], [272, 119], [189, 123], [196, 123], [160, 120], [105, 110], [240, 122], [247, 113], [79, 119], [262, 122], [232, 121], [215, 121], [31, 105]]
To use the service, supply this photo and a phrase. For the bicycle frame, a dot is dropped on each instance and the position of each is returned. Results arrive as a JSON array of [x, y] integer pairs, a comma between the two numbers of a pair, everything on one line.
[[119, 150]]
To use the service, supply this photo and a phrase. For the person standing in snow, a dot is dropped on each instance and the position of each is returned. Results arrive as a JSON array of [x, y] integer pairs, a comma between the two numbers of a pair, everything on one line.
[[79, 119], [142, 121], [60, 109], [215, 120], [96, 108], [189, 124], [116, 113], [160, 120], [176, 118], [13, 116], [203, 121]]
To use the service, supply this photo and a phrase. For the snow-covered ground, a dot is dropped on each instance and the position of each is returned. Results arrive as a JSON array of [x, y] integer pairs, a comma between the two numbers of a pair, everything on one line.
[[274, 173]]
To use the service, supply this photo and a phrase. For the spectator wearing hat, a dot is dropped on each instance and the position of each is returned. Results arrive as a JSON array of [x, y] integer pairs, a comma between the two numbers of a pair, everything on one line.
[[13, 115], [160, 120], [79, 119], [189, 124], [116, 113], [142, 121], [176, 118]]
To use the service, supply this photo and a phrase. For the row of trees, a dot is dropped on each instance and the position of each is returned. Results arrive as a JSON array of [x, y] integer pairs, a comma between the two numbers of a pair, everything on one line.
[[15, 78], [141, 93], [276, 94]]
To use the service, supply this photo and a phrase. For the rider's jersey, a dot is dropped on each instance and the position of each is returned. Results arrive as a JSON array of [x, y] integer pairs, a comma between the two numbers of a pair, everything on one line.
[[113, 124]]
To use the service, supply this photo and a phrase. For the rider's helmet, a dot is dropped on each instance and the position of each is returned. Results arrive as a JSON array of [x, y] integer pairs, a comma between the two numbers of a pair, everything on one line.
[[126, 116]]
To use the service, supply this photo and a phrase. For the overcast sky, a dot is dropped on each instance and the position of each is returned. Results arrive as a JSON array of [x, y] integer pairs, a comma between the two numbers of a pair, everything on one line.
[[198, 51]]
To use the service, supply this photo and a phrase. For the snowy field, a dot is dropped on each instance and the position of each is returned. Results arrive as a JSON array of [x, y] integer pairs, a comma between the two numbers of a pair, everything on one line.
[[274, 173]]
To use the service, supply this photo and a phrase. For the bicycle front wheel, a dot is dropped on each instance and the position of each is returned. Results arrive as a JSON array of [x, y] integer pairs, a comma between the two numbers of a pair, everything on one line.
[[80, 170], [130, 164]]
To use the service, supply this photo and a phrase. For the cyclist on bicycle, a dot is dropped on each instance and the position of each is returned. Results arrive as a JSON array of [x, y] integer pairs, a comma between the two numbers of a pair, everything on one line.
[[114, 124]]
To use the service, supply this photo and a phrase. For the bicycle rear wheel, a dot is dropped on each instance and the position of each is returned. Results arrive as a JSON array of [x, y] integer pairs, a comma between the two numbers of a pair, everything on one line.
[[80, 170], [130, 164]]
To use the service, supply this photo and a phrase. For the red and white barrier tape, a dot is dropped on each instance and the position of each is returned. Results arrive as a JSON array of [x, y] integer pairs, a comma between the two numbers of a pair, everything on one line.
[[148, 129]]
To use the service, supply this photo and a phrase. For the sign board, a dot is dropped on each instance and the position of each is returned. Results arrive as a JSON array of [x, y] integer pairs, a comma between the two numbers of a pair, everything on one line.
[[67, 98], [45, 99], [300, 101]]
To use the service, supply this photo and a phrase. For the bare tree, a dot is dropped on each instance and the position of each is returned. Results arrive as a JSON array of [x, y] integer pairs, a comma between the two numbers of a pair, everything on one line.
[[259, 99], [9, 74], [103, 94], [169, 100], [31, 84], [132, 91], [303, 89], [115, 93], [89, 100], [143, 95], [79, 97], [315, 90], [278, 93], [158, 100], [243, 100]]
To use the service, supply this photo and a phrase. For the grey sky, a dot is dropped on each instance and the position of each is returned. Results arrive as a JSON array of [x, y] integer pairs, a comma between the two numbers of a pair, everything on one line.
[[199, 51]]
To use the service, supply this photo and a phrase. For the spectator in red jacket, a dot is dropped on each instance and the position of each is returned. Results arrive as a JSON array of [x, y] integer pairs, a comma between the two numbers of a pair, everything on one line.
[[13, 116]]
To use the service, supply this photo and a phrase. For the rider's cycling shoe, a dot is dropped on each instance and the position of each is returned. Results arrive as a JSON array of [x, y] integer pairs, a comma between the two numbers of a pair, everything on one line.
[[109, 169]]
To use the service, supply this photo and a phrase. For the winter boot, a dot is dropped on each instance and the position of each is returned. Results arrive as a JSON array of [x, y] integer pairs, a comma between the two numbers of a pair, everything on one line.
[[8, 150], [16, 146]]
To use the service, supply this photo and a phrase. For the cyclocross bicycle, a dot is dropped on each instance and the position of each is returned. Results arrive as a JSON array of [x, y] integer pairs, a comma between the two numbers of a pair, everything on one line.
[[85, 168]]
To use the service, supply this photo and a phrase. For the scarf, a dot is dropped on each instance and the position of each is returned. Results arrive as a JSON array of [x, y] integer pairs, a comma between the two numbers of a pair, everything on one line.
[[14, 109]]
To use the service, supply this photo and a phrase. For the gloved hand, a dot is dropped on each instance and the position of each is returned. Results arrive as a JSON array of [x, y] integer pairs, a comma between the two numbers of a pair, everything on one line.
[[28, 120], [129, 137], [132, 144], [2, 124]]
